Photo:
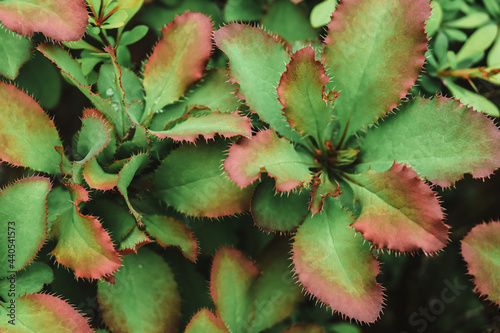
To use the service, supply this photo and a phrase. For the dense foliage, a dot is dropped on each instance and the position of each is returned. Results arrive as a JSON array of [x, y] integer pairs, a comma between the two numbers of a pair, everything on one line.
[[207, 180]]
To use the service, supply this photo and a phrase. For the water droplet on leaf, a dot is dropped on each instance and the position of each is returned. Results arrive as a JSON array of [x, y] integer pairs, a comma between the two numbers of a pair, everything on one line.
[[110, 92], [115, 106]]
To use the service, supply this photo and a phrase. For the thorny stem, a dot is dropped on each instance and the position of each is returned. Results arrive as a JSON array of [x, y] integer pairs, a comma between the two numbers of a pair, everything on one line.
[[479, 72]]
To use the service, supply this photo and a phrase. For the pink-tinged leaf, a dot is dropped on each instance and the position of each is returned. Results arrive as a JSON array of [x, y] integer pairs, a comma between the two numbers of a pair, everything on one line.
[[374, 52], [457, 140], [225, 124], [23, 217], [334, 265], [302, 91], [481, 251], [304, 328], [82, 243], [399, 211], [266, 152], [200, 188], [143, 298], [58, 20], [169, 232], [133, 241], [43, 313], [97, 178], [249, 50], [178, 60], [28, 136], [322, 187], [230, 281], [205, 321]]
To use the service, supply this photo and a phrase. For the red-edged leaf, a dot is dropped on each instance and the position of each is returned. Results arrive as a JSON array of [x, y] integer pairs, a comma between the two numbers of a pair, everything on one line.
[[399, 211], [143, 298], [205, 321], [58, 20], [302, 91], [250, 50], [82, 243], [374, 52], [178, 60], [133, 241], [304, 328], [481, 251], [322, 187], [23, 217], [224, 124], [333, 265], [28, 136], [97, 178], [266, 152], [457, 140], [169, 232], [43, 313], [230, 281], [200, 189]]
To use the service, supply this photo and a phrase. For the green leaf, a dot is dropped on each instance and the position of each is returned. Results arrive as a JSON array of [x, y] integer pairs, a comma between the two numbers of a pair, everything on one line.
[[273, 211], [399, 211], [471, 21], [237, 10], [493, 58], [481, 252], [82, 243], [321, 14], [116, 20], [143, 298], [249, 50], [41, 313], [458, 140], [170, 232], [56, 21], [15, 50], [177, 61], [333, 265], [200, 189], [493, 7], [23, 208], [247, 158], [274, 292], [434, 22], [455, 35], [473, 100], [42, 80], [373, 81], [72, 70], [281, 13], [27, 134], [125, 91], [205, 321], [134, 35], [231, 277], [91, 140], [28, 281], [302, 93], [479, 41], [191, 127], [127, 173]]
